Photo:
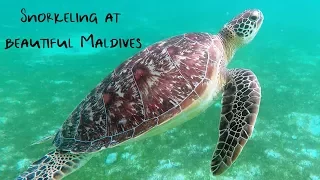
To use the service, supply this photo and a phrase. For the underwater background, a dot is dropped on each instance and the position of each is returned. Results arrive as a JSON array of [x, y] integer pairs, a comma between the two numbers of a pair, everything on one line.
[[39, 88]]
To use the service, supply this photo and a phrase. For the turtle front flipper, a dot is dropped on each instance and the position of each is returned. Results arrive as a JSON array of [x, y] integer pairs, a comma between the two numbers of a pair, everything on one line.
[[54, 165], [240, 107]]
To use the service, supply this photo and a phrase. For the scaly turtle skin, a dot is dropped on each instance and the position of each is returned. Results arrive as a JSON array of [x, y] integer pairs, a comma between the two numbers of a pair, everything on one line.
[[169, 82]]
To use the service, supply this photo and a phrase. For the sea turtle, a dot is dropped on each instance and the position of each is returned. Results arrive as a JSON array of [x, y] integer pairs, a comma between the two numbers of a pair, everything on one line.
[[163, 85]]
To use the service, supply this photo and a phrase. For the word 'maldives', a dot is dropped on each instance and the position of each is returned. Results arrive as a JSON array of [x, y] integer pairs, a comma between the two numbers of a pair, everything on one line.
[[54, 42]]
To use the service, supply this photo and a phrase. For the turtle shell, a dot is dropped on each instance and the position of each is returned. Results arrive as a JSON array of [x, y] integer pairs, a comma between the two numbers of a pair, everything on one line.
[[143, 92]]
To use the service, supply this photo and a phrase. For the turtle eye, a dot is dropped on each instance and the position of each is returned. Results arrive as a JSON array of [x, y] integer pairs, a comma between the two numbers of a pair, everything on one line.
[[253, 17]]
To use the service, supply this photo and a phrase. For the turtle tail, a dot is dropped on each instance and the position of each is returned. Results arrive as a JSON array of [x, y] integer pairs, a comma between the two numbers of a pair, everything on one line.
[[54, 165]]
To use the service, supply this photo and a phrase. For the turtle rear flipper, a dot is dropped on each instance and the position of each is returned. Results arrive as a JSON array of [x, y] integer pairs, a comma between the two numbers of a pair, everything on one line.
[[43, 140], [240, 106], [54, 165]]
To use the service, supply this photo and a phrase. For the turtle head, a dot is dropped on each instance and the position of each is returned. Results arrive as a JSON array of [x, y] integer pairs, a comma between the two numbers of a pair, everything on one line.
[[242, 28]]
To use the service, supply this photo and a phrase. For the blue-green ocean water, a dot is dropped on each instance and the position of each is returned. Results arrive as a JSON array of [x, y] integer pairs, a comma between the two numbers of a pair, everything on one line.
[[39, 89]]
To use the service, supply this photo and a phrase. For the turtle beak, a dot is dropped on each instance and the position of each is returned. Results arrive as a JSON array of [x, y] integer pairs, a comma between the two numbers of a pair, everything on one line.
[[261, 17]]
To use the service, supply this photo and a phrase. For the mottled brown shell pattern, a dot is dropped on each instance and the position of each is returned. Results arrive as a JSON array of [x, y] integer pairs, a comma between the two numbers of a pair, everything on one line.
[[143, 92]]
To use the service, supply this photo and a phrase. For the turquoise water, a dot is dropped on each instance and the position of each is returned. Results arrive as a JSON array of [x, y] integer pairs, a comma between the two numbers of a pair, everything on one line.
[[39, 89]]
